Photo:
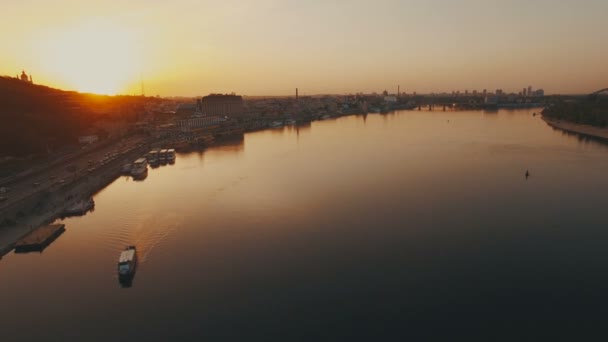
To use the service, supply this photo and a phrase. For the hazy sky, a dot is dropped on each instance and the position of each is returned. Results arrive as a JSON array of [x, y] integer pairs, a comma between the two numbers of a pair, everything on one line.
[[187, 47]]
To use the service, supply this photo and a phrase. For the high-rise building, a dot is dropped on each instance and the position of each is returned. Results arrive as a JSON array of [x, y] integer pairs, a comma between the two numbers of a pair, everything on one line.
[[524, 92]]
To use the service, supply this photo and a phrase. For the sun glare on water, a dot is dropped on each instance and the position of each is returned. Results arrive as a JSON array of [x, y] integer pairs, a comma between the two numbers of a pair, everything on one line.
[[92, 57]]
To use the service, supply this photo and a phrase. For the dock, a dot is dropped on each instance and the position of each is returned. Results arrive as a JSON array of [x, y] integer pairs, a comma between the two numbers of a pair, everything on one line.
[[39, 239]]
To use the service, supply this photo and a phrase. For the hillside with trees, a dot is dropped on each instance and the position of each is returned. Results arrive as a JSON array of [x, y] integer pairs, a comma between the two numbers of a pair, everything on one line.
[[37, 119], [590, 111]]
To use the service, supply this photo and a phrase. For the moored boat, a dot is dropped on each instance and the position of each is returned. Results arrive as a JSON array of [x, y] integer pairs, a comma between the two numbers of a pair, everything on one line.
[[162, 156], [153, 157], [139, 168], [171, 155]]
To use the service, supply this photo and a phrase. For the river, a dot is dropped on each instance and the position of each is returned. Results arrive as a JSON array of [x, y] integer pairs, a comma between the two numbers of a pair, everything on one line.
[[415, 225]]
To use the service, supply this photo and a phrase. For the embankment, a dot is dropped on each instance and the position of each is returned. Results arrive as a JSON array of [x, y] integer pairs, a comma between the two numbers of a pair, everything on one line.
[[585, 130]]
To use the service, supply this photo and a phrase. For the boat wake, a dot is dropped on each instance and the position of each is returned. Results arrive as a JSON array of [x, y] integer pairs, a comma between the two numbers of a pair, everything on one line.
[[146, 231], [152, 234]]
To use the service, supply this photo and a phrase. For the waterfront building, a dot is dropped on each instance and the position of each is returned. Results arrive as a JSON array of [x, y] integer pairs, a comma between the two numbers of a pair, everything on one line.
[[491, 100], [199, 122], [221, 105], [390, 99]]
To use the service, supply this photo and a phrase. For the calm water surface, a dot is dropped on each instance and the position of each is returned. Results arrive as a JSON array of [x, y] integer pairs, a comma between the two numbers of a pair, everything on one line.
[[413, 224]]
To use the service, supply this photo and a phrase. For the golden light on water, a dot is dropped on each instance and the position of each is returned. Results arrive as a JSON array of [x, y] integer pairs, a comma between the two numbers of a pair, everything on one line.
[[95, 57]]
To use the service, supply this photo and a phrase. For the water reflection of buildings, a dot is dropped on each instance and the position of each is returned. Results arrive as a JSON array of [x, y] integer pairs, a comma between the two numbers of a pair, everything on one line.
[[234, 144]]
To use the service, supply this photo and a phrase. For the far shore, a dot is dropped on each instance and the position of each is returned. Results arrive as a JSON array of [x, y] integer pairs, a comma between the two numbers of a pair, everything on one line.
[[586, 130]]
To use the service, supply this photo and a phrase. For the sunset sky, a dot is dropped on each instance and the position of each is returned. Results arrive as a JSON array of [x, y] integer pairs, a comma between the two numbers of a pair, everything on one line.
[[270, 47]]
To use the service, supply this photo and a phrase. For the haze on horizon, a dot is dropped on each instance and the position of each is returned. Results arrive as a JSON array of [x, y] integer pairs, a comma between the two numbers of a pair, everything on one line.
[[270, 47]]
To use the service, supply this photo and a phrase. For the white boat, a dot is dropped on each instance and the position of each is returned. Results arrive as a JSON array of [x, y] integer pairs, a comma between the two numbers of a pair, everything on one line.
[[127, 263], [290, 122], [162, 156], [139, 168], [171, 155], [153, 157], [276, 124]]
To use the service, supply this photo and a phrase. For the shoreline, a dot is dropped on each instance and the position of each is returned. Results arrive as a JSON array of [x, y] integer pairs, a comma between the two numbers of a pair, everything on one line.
[[584, 130], [53, 206]]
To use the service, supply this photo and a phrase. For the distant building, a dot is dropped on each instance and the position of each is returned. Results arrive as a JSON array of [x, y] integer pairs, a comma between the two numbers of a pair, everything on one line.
[[491, 100], [186, 109], [221, 105], [390, 98], [539, 93], [25, 78], [198, 123]]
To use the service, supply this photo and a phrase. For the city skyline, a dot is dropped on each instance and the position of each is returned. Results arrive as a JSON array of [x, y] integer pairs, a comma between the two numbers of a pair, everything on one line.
[[271, 47]]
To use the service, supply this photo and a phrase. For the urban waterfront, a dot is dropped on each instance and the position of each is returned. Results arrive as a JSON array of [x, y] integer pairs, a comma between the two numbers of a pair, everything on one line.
[[409, 224]]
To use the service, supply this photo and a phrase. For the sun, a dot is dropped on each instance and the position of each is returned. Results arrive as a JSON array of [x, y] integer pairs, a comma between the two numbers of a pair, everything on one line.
[[94, 57]]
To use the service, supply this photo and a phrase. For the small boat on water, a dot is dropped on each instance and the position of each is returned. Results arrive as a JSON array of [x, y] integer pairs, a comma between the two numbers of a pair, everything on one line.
[[127, 263], [276, 124], [153, 157], [80, 208], [171, 155], [163, 156], [139, 168]]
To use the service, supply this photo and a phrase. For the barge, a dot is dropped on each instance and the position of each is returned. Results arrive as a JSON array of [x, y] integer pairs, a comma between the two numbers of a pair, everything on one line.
[[39, 239]]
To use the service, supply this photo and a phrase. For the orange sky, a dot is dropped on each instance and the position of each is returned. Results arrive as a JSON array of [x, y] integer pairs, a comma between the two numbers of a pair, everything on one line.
[[269, 47]]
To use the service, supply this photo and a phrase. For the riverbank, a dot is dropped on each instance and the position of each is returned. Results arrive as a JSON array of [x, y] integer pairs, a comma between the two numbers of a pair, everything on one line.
[[585, 130], [47, 206]]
